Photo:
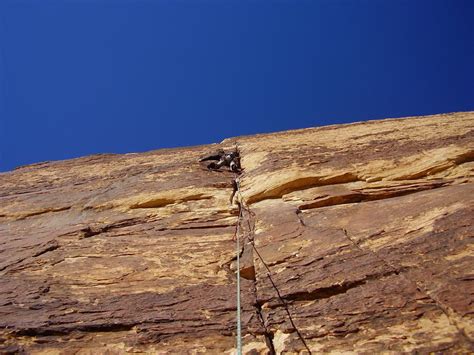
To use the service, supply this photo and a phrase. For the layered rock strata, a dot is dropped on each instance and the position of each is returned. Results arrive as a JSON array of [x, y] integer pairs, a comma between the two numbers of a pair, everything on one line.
[[355, 238]]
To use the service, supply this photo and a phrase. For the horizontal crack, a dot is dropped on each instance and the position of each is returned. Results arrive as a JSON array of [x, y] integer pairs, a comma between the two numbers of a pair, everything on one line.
[[198, 227], [334, 290], [443, 166], [88, 328], [91, 231], [364, 196], [53, 245], [302, 183], [162, 202], [43, 249], [37, 213]]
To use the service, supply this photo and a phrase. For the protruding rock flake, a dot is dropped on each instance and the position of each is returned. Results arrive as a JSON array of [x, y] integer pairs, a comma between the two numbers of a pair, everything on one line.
[[355, 238]]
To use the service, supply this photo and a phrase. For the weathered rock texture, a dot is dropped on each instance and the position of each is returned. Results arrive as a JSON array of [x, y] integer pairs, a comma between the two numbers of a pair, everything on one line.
[[356, 238]]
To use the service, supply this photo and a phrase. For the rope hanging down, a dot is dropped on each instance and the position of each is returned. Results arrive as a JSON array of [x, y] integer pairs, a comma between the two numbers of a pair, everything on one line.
[[237, 238], [252, 242], [232, 160]]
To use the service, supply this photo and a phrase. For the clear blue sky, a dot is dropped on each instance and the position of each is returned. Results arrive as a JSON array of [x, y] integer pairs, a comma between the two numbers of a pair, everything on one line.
[[79, 77]]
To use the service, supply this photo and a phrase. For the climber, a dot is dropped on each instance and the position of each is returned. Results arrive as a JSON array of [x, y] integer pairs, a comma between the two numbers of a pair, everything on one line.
[[230, 159]]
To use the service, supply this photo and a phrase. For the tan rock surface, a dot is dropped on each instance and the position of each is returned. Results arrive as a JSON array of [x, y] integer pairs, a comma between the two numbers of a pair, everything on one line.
[[357, 238]]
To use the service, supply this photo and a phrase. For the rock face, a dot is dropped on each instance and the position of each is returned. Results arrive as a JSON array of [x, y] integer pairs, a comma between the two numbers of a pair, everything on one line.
[[355, 238]]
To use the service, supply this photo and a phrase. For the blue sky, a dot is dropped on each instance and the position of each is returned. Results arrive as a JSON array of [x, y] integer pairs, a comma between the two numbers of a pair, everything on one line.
[[79, 77]]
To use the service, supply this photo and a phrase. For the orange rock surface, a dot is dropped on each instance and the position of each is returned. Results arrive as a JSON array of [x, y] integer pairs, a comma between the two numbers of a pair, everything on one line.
[[355, 238]]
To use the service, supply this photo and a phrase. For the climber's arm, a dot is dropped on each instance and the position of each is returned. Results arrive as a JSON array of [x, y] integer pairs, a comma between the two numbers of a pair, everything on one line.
[[210, 157]]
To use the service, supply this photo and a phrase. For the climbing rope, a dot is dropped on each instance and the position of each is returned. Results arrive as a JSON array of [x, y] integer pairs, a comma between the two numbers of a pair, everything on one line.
[[251, 231], [252, 242], [237, 238]]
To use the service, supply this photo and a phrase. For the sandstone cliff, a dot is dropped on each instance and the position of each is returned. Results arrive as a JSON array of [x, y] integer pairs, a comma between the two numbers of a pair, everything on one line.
[[356, 238]]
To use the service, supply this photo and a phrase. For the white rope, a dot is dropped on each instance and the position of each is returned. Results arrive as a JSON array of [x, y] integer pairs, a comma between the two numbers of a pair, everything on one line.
[[237, 237]]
